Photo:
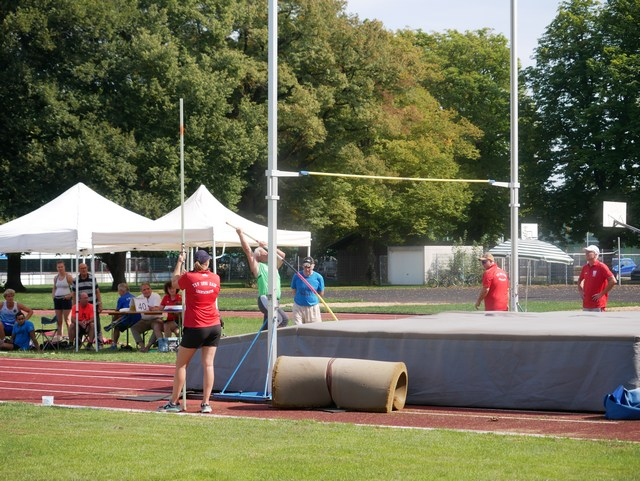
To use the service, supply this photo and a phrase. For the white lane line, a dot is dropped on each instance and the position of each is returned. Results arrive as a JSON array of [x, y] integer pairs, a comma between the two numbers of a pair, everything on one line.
[[136, 379], [12, 361], [110, 388], [85, 393], [38, 370]]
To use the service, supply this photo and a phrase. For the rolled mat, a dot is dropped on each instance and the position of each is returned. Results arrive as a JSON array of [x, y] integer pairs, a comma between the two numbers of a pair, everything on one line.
[[353, 384]]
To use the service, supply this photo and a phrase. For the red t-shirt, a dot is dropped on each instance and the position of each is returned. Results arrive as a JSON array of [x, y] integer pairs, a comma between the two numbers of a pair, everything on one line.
[[85, 314], [498, 283], [167, 301], [595, 279], [201, 291]]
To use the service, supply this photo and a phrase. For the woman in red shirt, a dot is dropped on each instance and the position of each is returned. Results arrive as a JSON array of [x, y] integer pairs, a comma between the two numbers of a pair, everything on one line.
[[201, 326], [171, 297]]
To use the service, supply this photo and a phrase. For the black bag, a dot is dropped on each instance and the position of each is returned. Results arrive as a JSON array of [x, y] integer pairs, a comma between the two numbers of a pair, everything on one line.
[[54, 346]]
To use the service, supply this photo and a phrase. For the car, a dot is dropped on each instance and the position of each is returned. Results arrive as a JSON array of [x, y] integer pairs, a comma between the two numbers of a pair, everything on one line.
[[635, 274], [626, 266]]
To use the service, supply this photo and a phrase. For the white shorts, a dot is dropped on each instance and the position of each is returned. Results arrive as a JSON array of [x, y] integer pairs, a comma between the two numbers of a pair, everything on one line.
[[306, 314]]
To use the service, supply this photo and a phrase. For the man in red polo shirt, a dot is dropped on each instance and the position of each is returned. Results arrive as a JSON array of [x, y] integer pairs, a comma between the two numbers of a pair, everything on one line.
[[595, 281], [495, 286], [83, 312]]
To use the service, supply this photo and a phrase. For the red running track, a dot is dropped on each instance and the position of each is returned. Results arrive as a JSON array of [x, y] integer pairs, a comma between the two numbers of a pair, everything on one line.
[[109, 384]]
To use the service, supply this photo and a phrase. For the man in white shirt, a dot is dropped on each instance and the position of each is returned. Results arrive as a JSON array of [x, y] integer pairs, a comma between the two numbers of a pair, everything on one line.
[[148, 321]]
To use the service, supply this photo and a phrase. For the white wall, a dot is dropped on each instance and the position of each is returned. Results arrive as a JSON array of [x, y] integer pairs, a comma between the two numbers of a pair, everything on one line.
[[410, 265], [406, 265]]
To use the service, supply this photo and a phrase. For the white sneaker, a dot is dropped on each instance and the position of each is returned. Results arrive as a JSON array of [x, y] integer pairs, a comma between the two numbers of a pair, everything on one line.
[[205, 408]]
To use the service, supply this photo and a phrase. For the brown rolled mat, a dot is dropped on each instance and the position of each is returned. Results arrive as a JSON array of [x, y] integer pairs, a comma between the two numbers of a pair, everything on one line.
[[353, 384], [300, 382]]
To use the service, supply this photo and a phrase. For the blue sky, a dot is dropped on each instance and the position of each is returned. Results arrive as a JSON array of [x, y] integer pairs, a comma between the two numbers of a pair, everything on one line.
[[440, 15]]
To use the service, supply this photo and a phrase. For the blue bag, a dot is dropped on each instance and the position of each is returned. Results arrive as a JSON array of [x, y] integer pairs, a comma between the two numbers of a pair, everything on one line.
[[622, 404]]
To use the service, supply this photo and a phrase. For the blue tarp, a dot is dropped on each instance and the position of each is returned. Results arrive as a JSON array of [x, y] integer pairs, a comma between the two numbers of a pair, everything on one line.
[[622, 404]]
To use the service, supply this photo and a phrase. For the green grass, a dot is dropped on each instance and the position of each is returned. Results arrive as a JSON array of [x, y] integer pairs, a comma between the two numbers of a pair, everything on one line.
[[532, 306], [50, 443], [39, 297]]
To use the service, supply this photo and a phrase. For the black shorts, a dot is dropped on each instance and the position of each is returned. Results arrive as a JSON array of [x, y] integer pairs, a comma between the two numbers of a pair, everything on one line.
[[61, 304], [195, 337]]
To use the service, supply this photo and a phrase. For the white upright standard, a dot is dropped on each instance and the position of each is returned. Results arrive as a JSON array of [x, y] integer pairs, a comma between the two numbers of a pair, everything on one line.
[[272, 185], [515, 203]]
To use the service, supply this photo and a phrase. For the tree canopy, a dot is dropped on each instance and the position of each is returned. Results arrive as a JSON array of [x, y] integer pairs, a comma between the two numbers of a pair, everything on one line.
[[585, 89], [92, 91]]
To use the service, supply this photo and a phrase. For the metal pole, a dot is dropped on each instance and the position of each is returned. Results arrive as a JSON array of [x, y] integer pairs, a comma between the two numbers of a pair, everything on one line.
[[182, 172], [272, 184], [95, 299], [182, 239], [619, 263], [515, 275]]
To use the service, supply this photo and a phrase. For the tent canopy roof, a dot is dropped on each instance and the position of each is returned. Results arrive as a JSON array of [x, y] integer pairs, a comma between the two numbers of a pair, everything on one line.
[[206, 221], [535, 250], [65, 225]]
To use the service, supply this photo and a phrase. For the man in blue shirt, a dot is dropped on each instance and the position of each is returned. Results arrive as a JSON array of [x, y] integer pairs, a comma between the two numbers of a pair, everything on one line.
[[122, 322], [306, 304], [22, 336]]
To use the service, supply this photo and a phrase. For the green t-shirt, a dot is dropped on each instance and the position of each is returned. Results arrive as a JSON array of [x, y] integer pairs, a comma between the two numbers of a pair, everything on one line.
[[263, 280]]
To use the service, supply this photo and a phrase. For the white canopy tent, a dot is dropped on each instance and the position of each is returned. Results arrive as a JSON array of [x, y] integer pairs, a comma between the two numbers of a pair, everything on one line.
[[207, 222], [203, 209], [66, 224]]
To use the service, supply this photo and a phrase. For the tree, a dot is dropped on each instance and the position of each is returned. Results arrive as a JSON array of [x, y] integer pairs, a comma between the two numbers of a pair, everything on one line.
[[349, 103], [585, 89], [92, 90], [470, 74]]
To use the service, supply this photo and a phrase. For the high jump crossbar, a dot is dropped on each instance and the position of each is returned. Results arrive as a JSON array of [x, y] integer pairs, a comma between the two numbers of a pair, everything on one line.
[[304, 173]]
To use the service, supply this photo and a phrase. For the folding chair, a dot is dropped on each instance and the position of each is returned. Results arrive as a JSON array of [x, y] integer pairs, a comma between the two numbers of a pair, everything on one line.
[[47, 333]]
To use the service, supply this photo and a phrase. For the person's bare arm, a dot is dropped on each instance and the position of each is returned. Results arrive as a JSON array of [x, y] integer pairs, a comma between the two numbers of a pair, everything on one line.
[[483, 293], [28, 312], [253, 263], [610, 283], [34, 340], [99, 299], [177, 270]]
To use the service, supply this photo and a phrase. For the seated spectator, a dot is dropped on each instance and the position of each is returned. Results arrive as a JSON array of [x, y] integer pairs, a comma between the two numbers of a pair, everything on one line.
[[8, 312], [171, 298], [122, 322], [23, 336], [83, 312], [148, 321]]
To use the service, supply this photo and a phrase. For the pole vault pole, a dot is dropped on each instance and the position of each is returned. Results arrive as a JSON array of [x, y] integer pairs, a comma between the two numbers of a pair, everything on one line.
[[182, 238], [272, 183], [302, 278]]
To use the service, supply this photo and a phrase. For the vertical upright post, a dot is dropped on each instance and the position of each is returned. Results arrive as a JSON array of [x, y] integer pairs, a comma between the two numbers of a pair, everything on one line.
[[272, 184], [182, 240], [619, 263], [514, 204], [182, 173]]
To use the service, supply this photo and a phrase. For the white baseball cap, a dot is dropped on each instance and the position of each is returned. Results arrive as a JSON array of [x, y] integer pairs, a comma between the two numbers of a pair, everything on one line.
[[592, 248]]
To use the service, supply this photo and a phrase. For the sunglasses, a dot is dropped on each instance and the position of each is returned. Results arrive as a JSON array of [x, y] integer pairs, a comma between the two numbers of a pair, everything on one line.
[[485, 261], [306, 265]]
